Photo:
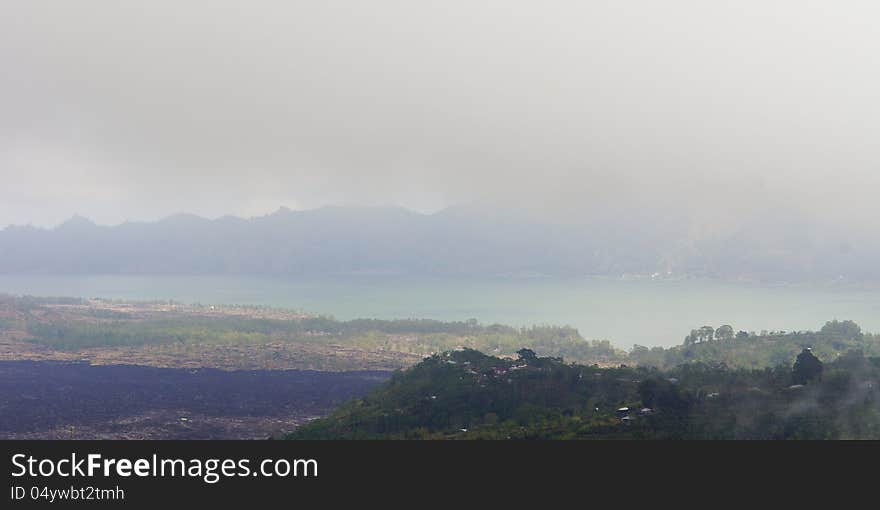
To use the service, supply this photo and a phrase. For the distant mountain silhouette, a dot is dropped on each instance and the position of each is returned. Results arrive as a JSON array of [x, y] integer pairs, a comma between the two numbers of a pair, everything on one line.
[[456, 241]]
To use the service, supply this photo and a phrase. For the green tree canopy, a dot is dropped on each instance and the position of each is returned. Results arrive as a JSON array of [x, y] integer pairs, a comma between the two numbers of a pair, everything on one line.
[[807, 367]]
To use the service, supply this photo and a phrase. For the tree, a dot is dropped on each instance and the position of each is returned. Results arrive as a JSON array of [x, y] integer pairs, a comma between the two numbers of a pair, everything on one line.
[[807, 367], [845, 329], [527, 354], [724, 332], [660, 393], [707, 333], [852, 359]]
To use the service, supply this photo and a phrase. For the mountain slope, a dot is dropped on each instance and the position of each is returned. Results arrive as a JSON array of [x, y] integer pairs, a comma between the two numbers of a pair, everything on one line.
[[458, 241], [467, 395]]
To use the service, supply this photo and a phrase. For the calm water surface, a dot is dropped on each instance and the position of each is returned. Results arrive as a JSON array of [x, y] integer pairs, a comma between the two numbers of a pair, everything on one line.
[[626, 312]]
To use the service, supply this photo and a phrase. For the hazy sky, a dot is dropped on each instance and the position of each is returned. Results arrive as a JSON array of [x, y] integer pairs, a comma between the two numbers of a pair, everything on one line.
[[136, 110]]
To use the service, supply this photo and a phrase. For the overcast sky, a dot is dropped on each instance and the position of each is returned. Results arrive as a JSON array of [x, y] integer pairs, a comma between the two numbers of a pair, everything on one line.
[[137, 110]]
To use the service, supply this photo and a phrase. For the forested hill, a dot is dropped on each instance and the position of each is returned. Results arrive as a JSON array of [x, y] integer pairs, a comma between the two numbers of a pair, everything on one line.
[[467, 395], [466, 241], [741, 349]]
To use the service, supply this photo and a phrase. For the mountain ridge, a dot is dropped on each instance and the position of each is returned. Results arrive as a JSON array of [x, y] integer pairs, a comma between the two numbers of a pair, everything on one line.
[[462, 241]]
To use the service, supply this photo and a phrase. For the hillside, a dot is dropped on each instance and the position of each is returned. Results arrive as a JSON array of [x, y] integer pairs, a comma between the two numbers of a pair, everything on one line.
[[758, 350], [468, 395], [460, 241]]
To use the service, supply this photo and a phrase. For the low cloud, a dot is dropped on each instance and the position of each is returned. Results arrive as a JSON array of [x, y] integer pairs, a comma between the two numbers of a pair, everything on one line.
[[569, 110]]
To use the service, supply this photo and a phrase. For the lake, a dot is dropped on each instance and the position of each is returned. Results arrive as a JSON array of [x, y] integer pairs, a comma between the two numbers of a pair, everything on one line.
[[647, 312]]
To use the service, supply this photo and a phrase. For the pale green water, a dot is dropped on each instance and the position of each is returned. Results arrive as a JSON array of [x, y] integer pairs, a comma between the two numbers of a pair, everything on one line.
[[625, 312]]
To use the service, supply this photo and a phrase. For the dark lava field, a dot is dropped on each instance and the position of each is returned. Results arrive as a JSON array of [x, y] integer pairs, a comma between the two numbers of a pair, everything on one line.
[[64, 400]]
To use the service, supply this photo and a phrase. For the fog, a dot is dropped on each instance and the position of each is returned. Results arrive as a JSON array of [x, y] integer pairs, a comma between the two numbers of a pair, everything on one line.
[[712, 110]]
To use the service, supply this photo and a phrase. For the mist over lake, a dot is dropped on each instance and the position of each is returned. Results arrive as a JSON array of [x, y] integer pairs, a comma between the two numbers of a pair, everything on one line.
[[646, 312]]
